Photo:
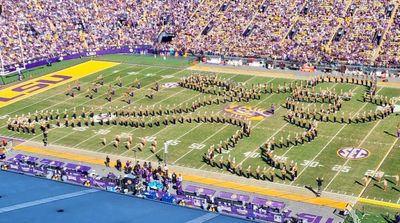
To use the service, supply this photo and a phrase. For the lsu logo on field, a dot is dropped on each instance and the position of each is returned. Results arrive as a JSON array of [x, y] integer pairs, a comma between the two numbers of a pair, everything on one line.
[[32, 86], [248, 112], [41, 84], [353, 153]]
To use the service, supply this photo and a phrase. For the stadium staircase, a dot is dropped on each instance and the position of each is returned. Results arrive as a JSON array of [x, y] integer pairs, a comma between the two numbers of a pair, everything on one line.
[[194, 11], [212, 12], [341, 20], [257, 12], [293, 21], [378, 49], [348, 3]]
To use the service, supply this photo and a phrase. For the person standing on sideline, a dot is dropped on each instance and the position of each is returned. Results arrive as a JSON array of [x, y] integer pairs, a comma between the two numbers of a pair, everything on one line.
[[107, 162], [319, 180]]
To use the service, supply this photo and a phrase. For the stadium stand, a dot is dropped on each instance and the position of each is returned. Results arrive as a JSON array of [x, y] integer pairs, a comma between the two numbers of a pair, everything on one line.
[[352, 31]]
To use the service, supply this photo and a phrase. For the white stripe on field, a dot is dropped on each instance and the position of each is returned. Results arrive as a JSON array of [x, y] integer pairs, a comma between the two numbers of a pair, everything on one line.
[[46, 200], [171, 125], [116, 99], [203, 218], [340, 130], [359, 146]]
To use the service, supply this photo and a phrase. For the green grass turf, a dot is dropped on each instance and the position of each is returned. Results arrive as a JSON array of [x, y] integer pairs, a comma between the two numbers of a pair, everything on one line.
[[377, 136], [373, 214], [171, 61]]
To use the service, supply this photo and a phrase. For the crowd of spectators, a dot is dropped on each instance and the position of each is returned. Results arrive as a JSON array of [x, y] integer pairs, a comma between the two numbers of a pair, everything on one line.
[[229, 27], [313, 30], [364, 21], [391, 46], [349, 31], [270, 27], [50, 28]]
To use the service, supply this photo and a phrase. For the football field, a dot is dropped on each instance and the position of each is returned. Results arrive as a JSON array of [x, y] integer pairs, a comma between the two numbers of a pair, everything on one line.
[[342, 153]]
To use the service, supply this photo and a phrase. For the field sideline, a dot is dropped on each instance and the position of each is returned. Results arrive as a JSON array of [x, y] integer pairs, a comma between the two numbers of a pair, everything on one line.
[[188, 142]]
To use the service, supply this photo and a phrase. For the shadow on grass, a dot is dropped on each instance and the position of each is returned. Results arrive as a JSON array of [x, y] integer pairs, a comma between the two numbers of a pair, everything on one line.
[[358, 182], [390, 181], [387, 218], [391, 134], [159, 159], [378, 186], [312, 190]]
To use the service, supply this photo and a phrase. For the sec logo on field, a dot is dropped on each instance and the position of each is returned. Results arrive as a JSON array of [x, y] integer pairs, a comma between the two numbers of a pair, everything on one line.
[[353, 153]]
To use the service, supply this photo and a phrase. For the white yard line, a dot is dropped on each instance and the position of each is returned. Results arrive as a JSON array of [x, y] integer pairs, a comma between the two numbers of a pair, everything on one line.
[[378, 167], [201, 143], [259, 121], [275, 133], [290, 148], [325, 136], [113, 125], [115, 99], [61, 93], [165, 128], [359, 146], [125, 106], [171, 125], [197, 126], [329, 142], [71, 98], [72, 132], [71, 104]]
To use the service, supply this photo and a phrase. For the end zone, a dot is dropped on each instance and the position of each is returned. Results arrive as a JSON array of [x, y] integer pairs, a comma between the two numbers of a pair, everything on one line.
[[41, 84]]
